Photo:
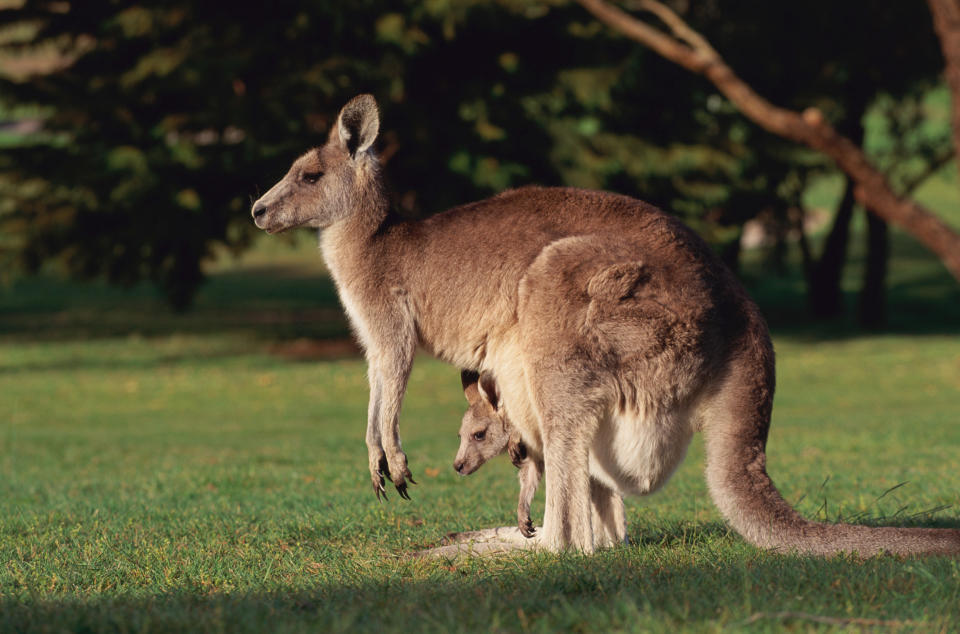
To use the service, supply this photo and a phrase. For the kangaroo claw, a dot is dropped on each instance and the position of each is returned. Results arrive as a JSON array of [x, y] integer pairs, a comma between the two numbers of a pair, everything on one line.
[[379, 489], [527, 528], [399, 474], [384, 469]]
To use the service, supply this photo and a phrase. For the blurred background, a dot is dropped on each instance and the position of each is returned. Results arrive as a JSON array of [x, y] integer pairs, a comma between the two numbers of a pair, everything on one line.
[[134, 136]]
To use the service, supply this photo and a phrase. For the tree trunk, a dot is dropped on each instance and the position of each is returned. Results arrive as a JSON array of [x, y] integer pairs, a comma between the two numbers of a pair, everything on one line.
[[690, 50], [730, 254], [873, 296], [824, 285]]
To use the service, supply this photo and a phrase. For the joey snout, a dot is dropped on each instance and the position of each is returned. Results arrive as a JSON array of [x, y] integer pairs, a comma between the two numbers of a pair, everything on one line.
[[465, 464]]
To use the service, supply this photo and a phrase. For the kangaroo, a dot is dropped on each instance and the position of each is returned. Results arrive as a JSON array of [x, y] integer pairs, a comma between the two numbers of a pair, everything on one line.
[[485, 433], [608, 387]]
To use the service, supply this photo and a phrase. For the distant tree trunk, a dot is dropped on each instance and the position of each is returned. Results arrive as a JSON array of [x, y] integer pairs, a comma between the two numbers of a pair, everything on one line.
[[946, 21], [823, 286], [730, 254], [806, 255], [825, 280], [872, 311], [689, 49]]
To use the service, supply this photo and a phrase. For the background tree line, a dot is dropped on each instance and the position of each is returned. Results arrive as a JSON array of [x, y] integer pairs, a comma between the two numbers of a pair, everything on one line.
[[150, 126]]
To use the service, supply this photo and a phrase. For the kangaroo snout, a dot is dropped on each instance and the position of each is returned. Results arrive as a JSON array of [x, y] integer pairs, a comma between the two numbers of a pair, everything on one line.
[[466, 466]]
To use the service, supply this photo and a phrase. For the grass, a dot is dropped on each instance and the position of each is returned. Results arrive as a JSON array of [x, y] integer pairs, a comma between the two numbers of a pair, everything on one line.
[[196, 481], [166, 473]]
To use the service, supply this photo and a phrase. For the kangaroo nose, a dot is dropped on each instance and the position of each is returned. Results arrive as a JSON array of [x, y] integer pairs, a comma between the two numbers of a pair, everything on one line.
[[458, 466], [259, 210]]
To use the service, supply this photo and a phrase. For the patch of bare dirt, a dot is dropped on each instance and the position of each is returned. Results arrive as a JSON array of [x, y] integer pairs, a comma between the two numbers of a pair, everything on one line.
[[317, 349]]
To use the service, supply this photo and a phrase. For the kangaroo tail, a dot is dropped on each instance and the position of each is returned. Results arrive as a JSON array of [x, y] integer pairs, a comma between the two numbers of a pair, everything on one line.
[[737, 477]]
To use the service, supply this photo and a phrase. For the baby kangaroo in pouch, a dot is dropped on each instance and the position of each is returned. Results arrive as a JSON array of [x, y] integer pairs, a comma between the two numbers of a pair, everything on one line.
[[485, 433], [613, 330]]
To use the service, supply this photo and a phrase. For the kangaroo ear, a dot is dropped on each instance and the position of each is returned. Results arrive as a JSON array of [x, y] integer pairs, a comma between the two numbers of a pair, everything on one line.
[[468, 379], [358, 124], [489, 390]]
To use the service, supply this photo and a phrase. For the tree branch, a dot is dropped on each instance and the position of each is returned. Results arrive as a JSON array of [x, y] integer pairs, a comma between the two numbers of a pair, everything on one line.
[[911, 185], [872, 189], [680, 28], [946, 22]]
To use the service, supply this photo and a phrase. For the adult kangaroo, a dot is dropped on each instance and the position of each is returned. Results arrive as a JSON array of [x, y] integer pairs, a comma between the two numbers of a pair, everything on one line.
[[612, 330]]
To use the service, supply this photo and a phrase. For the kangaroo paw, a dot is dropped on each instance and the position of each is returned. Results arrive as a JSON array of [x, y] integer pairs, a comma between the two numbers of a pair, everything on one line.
[[526, 528]]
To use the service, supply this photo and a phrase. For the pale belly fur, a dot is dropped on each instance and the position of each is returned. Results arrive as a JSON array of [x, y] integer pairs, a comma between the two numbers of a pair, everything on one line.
[[636, 455]]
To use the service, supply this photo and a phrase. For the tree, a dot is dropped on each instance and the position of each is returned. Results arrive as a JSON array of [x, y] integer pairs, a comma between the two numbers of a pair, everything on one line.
[[690, 50], [159, 122], [165, 117], [162, 117]]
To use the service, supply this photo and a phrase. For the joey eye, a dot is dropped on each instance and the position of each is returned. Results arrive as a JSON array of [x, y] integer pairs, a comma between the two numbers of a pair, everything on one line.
[[480, 435], [311, 177]]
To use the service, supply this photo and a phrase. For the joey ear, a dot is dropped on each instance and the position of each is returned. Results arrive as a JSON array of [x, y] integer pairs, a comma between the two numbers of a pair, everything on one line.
[[489, 389], [358, 124], [468, 379]]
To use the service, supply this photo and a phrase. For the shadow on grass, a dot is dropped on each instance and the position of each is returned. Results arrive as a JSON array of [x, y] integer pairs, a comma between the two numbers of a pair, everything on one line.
[[297, 350], [925, 304], [108, 362], [637, 588], [677, 534], [267, 304]]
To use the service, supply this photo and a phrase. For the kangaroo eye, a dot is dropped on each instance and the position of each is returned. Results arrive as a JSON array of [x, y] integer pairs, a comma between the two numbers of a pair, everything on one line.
[[480, 435], [311, 177]]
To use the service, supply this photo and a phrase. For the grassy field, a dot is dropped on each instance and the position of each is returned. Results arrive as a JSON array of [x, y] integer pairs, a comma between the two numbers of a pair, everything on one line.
[[207, 471]]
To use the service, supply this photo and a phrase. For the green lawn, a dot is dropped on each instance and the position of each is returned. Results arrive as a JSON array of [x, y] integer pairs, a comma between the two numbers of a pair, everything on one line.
[[207, 471]]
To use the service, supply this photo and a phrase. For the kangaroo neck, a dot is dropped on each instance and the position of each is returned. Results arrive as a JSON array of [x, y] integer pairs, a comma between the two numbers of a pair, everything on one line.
[[347, 244]]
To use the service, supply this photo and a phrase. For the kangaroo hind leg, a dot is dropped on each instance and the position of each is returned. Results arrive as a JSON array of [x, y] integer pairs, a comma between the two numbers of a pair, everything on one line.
[[568, 424], [609, 517]]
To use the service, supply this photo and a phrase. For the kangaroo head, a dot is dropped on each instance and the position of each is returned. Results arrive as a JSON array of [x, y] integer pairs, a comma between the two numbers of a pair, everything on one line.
[[485, 431], [328, 183]]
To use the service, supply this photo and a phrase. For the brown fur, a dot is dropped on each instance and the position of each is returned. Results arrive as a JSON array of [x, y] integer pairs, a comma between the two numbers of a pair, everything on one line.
[[612, 329]]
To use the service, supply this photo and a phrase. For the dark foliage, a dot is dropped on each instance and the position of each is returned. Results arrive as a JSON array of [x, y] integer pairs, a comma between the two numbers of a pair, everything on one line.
[[173, 114]]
